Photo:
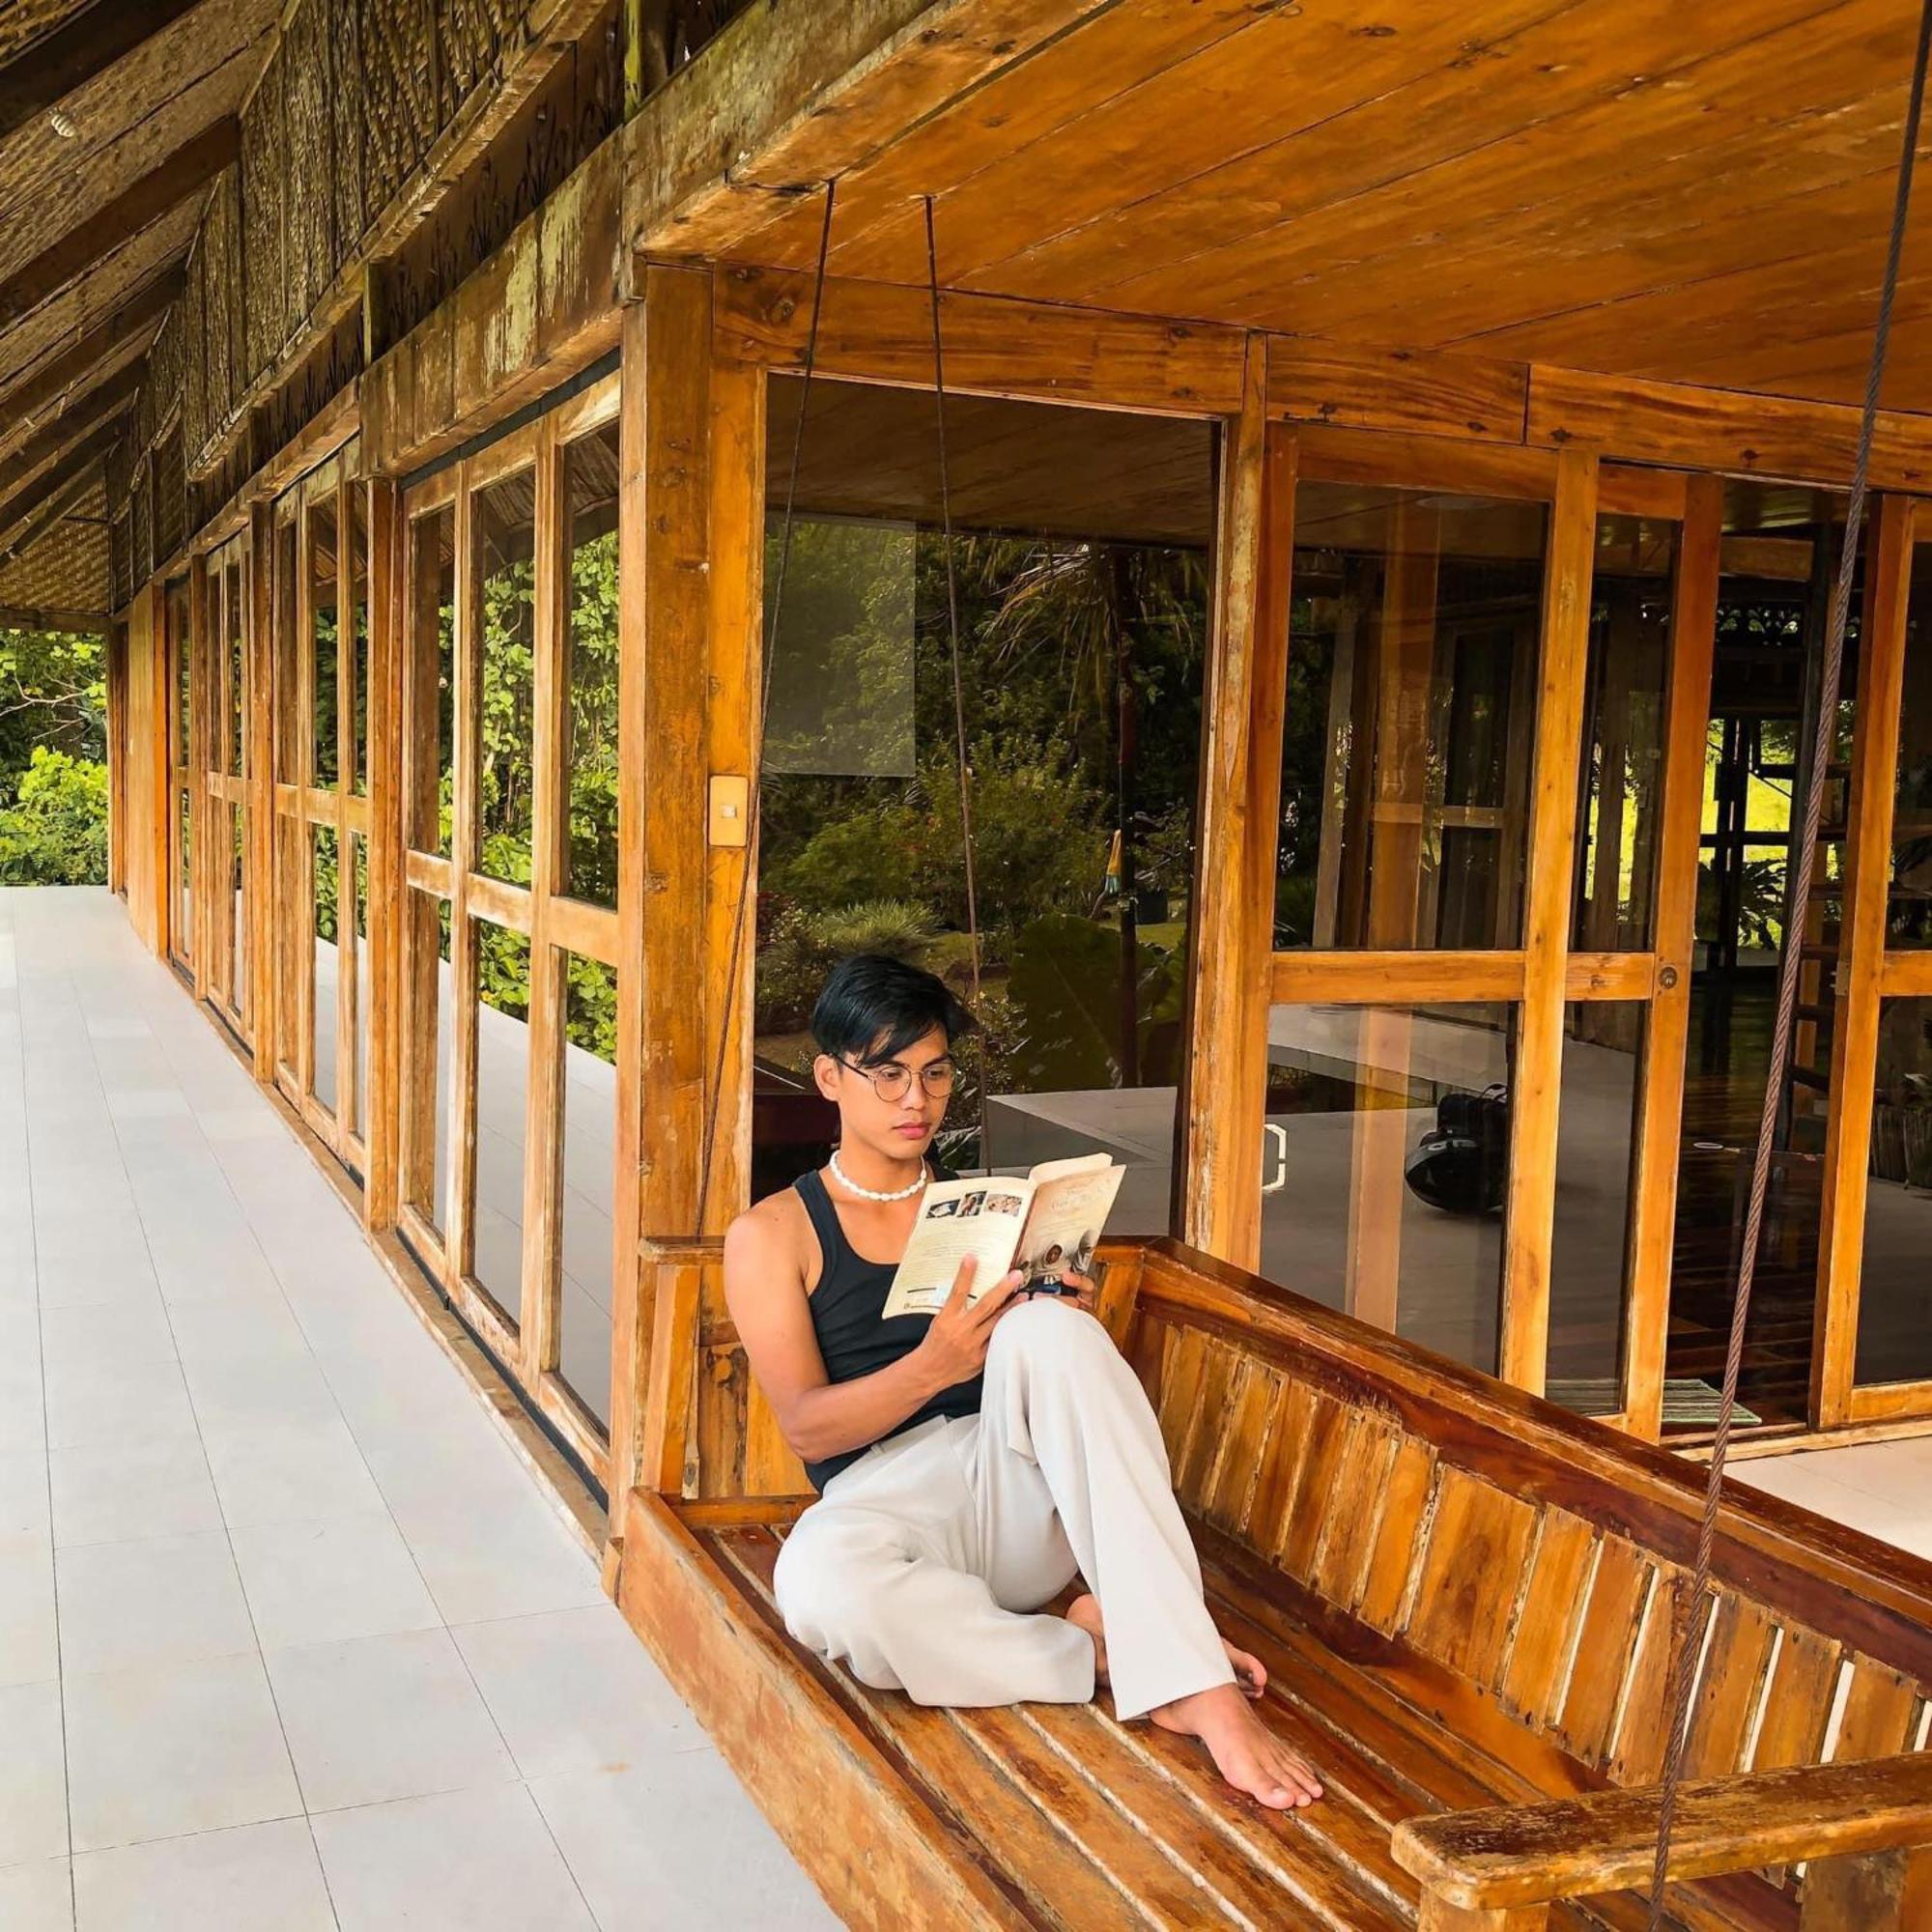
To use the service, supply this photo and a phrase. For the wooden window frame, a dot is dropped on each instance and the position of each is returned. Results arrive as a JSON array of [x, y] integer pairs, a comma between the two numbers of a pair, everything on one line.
[[527, 1341]]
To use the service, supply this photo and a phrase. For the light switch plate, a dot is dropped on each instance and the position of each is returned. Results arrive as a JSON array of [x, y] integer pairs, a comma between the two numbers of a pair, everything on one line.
[[730, 809]]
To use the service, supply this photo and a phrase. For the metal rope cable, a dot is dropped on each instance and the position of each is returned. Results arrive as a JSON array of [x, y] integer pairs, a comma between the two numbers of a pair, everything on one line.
[[714, 1093], [958, 694], [1686, 1654]]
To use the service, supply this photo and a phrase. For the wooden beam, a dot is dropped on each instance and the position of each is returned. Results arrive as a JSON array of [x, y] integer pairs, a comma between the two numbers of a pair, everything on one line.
[[1432, 392], [1693, 623], [785, 100], [1881, 686], [23, 617], [58, 439], [1226, 1086], [61, 62], [189, 169], [879, 332], [1536, 1094], [130, 322]]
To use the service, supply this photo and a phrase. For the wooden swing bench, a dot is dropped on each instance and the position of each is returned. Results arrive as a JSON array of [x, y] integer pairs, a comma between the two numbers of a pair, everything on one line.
[[1464, 1596]]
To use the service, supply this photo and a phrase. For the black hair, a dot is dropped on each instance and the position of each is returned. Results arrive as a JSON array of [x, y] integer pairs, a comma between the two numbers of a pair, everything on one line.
[[874, 1006]]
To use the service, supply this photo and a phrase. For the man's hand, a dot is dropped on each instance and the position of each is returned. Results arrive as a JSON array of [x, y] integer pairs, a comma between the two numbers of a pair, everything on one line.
[[1081, 1289], [955, 1348]]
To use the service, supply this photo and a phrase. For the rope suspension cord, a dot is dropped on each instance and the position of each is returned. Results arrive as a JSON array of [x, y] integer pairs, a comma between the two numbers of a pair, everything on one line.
[[713, 1093], [958, 691], [1684, 1661]]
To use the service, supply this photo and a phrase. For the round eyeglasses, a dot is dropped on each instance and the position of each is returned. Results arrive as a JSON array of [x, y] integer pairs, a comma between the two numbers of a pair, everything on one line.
[[892, 1081]]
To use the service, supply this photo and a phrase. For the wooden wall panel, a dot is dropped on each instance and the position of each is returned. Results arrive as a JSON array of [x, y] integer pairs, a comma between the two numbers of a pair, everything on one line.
[[147, 771]]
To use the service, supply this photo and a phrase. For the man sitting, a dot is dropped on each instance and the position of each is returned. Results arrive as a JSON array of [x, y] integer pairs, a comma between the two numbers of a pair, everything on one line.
[[969, 1464]]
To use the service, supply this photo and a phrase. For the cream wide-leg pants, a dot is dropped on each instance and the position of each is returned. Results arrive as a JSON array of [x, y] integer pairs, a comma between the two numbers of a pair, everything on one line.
[[922, 1563]]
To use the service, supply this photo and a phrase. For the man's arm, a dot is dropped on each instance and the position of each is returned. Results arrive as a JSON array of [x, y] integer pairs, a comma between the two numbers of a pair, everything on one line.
[[765, 1291]]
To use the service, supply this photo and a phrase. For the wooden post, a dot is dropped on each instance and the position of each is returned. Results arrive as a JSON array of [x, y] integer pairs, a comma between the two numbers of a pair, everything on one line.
[[348, 975], [544, 1087], [1882, 647], [1225, 1091], [264, 915], [380, 1181], [458, 1209], [1694, 629], [199, 896], [1873, 1891], [1536, 1091]]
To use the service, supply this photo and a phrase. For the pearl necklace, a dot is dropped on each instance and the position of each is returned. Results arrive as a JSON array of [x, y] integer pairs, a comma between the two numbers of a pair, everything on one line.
[[852, 1187]]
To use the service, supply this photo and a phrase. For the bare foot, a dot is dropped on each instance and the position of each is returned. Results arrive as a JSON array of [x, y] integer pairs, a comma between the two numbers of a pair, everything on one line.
[[1084, 1611], [1245, 1751]]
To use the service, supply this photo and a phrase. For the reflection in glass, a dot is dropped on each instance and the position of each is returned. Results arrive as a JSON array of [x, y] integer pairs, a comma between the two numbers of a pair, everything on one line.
[[238, 887], [358, 589], [428, 1019], [1623, 735], [432, 680], [236, 622], [590, 713], [503, 528], [359, 1113], [590, 1130], [1596, 1148], [184, 900], [1909, 915], [325, 621], [1408, 730], [327, 990], [1081, 561], [503, 1075], [1389, 1137], [1894, 1342]]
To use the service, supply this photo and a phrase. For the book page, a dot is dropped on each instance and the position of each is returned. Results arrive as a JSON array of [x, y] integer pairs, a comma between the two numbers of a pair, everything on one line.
[[1069, 1215], [980, 1217]]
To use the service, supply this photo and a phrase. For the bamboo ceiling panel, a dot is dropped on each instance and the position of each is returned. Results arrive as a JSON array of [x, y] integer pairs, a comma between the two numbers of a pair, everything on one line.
[[66, 569], [1637, 186]]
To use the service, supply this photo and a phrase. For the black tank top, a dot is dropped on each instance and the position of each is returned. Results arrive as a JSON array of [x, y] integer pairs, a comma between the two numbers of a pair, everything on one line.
[[853, 1338]]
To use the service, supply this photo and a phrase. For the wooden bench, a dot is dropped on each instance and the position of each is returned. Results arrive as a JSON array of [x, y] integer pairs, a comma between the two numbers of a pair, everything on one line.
[[1466, 1599]]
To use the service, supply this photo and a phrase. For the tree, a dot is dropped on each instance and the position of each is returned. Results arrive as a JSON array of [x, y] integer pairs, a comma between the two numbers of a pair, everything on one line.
[[54, 748]]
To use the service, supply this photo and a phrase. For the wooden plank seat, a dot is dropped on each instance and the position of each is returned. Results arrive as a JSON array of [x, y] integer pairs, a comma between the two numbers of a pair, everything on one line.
[[1467, 1598]]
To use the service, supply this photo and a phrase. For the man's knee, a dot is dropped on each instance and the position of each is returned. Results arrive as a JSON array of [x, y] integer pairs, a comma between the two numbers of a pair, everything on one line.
[[1049, 1330], [823, 1570]]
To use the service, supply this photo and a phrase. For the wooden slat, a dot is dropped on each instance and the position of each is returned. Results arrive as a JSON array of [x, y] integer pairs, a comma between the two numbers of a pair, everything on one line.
[[1407, 462], [1730, 1688], [1619, 1593], [1471, 1576], [590, 931], [1537, 1673], [1636, 1756], [1224, 1092], [1348, 1539], [426, 873], [500, 902], [1797, 1700], [1379, 976], [1693, 617], [1537, 1082], [1855, 1030], [1399, 1534], [1314, 1496]]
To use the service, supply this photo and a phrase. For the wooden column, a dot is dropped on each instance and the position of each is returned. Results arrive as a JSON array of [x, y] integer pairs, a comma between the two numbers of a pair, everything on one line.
[[1524, 1347], [1694, 630], [459, 1208], [1224, 1092], [116, 757], [385, 990], [1882, 645], [263, 912]]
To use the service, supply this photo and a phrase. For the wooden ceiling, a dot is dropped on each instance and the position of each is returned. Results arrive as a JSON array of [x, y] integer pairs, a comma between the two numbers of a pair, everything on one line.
[[113, 121], [1643, 187]]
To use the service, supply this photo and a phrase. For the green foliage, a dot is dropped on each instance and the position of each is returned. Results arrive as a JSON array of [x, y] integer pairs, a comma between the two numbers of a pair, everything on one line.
[[503, 969], [55, 832], [896, 926], [1067, 994]]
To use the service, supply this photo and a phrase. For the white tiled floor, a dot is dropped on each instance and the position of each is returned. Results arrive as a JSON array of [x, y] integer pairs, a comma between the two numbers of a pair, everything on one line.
[[289, 1639]]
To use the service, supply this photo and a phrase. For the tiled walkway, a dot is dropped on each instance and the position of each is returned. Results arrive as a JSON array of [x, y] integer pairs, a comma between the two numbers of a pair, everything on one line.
[[289, 1638]]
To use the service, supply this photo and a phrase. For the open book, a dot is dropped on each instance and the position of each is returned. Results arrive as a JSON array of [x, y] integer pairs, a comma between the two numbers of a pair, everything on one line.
[[1044, 1224]]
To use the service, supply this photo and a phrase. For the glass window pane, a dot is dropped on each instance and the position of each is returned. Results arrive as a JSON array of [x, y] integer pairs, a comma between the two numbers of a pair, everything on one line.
[[184, 896], [183, 639], [1409, 730], [1387, 1150], [237, 674], [1623, 735], [590, 1155], [356, 755], [238, 885], [1083, 611], [325, 590], [504, 526], [431, 764], [428, 1017], [503, 1075], [364, 991], [1596, 1148], [327, 991], [1894, 1342], [590, 748], [291, 726], [1909, 919]]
